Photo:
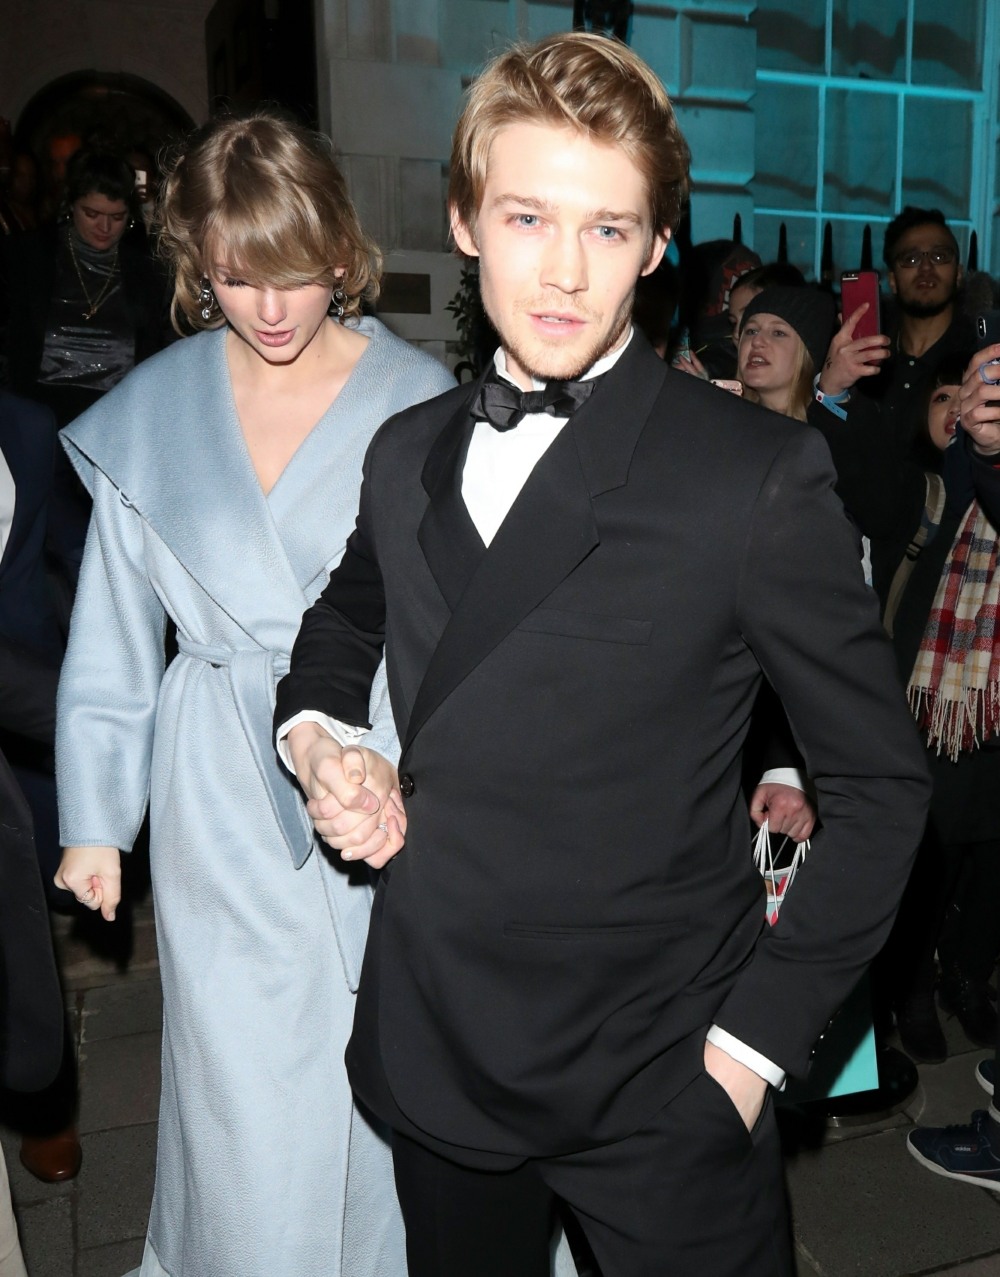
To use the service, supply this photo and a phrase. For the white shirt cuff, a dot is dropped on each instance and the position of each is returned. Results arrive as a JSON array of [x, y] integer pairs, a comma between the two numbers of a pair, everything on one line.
[[784, 776], [744, 1054], [342, 733]]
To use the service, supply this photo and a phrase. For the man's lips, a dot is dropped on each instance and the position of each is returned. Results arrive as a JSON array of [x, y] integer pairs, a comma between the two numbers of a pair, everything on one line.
[[557, 319]]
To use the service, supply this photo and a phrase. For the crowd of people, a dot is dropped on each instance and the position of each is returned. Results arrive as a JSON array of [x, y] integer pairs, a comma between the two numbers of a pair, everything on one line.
[[514, 652]]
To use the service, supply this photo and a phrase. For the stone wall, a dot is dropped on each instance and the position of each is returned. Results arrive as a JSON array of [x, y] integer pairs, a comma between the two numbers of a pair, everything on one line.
[[162, 41]]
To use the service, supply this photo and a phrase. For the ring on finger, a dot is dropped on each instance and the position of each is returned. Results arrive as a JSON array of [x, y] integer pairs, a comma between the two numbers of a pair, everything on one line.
[[384, 826], [990, 363]]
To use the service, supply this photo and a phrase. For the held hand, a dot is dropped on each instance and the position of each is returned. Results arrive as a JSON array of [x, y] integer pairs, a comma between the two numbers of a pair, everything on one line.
[[785, 808], [691, 364], [848, 359], [745, 1088], [94, 875], [980, 401], [353, 795]]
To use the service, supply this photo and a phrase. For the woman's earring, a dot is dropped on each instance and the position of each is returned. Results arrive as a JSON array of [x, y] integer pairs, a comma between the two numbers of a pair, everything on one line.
[[206, 298], [336, 310]]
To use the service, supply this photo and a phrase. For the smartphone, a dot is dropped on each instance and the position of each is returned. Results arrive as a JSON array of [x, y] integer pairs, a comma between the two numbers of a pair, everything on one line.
[[726, 383], [856, 287], [988, 327], [140, 177]]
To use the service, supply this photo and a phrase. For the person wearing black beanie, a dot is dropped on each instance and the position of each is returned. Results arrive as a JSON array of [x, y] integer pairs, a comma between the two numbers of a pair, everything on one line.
[[784, 337]]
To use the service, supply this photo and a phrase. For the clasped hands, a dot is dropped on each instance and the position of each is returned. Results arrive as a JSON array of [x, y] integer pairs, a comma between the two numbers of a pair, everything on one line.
[[352, 795]]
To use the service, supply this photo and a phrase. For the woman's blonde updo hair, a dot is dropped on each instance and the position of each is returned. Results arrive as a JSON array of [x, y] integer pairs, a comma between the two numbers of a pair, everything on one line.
[[263, 199]]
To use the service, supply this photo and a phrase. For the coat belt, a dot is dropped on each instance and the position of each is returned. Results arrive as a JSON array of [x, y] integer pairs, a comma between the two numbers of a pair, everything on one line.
[[253, 673]]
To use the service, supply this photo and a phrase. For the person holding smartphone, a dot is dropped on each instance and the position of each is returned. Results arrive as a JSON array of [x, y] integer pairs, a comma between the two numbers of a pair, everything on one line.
[[926, 321], [954, 592]]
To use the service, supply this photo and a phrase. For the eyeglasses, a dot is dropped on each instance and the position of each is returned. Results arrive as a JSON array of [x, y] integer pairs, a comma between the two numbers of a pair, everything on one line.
[[940, 256]]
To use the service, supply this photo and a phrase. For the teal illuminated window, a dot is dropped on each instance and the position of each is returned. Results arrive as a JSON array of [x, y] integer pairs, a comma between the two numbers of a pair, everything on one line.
[[863, 106]]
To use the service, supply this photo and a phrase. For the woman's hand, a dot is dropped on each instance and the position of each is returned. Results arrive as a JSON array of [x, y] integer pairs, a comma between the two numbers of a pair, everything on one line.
[[687, 361], [980, 401], [94, 875], [353, 795], [848, 359]]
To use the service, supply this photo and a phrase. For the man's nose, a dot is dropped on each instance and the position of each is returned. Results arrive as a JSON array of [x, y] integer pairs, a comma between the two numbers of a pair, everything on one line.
[[564, 265]]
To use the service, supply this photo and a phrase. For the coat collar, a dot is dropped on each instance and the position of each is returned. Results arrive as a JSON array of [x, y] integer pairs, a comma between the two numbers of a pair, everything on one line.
[[550, 529], [185, 469]]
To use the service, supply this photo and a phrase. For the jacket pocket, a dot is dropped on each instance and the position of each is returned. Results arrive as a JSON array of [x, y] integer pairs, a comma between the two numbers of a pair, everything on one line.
[[587, 625], [623, 931]]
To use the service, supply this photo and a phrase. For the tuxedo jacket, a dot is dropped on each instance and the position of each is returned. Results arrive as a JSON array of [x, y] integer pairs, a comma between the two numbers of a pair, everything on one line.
[[576, 902]]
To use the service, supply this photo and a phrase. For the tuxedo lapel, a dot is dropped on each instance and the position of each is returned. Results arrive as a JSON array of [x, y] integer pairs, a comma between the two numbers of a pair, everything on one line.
[[450, 542], [196, 475], [550, 529]]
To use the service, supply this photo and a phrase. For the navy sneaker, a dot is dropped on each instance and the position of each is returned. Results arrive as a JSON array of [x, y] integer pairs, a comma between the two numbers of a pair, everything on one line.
[[959, 1152], [985, 1072]]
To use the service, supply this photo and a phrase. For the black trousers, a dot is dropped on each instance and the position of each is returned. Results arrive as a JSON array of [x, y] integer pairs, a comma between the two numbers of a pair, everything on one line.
[[691, 1194]]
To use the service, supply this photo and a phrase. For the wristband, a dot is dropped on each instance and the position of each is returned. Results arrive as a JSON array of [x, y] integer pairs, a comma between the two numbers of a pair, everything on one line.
[[821, 397]]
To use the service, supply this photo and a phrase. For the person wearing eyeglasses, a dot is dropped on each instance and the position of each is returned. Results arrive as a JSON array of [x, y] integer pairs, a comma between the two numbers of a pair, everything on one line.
[[925, 276]]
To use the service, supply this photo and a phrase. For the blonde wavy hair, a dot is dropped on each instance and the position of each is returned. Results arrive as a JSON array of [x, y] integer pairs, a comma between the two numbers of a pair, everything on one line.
[[263, 198], [578, 80]]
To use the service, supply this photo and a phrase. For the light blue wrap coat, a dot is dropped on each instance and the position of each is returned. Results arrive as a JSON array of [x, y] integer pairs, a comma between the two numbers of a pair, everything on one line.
[[264, 1166]]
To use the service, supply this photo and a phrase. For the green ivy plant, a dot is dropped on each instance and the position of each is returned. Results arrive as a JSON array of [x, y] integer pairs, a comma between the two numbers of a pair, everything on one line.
[[467, 307]]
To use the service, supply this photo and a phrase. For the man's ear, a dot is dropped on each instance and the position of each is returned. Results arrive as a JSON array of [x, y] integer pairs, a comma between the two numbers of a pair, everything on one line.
[[892, 282], [461, 234], [657, 248]]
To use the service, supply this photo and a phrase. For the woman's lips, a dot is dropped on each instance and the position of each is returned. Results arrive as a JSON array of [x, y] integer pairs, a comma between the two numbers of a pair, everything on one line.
[[275, 339]]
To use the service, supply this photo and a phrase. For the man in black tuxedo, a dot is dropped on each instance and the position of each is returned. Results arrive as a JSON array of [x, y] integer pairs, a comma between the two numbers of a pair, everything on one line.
[[569, 989]]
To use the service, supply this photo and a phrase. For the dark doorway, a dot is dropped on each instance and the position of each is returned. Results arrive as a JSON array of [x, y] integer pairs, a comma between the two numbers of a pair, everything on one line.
[[262, 52], [121, 112]]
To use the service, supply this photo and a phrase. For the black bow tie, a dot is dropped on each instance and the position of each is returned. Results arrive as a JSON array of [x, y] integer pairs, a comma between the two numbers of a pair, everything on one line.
[[504, 406]]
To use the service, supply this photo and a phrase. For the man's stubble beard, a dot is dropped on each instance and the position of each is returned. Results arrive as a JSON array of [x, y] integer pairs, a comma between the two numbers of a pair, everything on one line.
[[532, 363], [926, 310]]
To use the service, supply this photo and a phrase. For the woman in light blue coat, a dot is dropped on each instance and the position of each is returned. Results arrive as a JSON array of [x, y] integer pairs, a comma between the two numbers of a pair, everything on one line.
[[225, 475]]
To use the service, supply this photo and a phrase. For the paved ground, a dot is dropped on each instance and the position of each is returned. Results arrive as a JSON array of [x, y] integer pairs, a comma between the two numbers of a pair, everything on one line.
[[862, 1206]]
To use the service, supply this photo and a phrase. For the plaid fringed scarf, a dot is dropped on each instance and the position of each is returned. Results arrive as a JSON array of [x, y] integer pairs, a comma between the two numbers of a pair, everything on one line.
[[954, 689]]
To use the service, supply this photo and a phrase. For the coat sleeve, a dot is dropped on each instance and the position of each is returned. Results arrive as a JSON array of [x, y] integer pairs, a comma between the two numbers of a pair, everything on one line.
[[110, 682], [813, 626]]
